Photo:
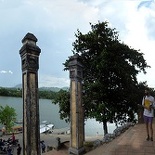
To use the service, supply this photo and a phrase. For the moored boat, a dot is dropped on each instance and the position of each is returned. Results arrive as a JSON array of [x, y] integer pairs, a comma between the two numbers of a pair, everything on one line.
[[18, 128], [45, 127]]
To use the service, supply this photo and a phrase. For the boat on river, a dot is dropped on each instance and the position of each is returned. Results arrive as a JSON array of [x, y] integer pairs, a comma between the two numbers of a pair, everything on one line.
[[46, 127]]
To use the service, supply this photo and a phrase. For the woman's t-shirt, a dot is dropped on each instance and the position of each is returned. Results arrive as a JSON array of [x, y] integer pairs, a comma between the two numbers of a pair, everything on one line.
[[147, 101]]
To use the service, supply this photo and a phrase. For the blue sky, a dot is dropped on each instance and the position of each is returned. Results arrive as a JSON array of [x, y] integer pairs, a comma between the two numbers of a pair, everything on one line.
[[54, 23]]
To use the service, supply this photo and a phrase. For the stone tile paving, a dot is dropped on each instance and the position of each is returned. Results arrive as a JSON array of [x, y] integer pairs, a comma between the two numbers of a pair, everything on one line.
[[131, 142]]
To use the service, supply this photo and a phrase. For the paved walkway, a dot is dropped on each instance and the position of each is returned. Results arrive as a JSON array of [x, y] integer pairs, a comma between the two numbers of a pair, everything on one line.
[[131, 142]]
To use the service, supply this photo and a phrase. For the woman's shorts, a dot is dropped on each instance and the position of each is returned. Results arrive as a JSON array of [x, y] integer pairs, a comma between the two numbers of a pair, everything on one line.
[[148, 119]]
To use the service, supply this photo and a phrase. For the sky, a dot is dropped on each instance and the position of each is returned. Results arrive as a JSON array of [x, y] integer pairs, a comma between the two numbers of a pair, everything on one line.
[[55, 22]]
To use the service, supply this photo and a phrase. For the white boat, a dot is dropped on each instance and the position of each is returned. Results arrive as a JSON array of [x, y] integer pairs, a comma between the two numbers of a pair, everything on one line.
[[45, 127]]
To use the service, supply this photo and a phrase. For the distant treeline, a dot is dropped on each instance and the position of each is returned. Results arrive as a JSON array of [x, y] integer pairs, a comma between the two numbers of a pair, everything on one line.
[[17, 92]]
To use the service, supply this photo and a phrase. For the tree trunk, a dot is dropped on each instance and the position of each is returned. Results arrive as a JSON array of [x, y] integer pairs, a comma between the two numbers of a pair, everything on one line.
[[105, 128], [140, 115]]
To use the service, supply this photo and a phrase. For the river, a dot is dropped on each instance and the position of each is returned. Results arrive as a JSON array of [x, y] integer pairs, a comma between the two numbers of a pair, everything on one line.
[[50, 112]]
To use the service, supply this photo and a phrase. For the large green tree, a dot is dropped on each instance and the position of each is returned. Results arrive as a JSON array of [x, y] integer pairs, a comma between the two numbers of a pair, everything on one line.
[[7, 117], [63, 99], [110, 74]]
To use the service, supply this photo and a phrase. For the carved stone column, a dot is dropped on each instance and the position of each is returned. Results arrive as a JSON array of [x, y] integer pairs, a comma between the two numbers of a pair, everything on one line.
[[76, 108], [29, 53]]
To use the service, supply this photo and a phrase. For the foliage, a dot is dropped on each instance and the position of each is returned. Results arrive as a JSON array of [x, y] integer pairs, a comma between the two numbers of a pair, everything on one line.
[[47, 94], [110, 74], [7, 117], [63, 99], [17, 92], [10, 92], [142, 86]]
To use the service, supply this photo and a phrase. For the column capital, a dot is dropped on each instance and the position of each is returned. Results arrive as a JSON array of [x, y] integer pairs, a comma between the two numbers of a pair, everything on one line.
[[29, 53], [75, 67]]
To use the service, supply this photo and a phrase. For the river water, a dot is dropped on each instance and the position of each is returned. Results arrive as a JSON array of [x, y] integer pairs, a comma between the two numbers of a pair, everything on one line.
[[50, 112]]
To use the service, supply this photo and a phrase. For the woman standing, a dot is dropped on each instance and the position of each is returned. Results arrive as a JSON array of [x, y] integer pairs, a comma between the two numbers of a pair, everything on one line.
[[148, 104]]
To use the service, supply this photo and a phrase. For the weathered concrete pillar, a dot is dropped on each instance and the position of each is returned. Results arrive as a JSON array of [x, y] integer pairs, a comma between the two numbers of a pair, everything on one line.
[[29, 53], [76, 108]]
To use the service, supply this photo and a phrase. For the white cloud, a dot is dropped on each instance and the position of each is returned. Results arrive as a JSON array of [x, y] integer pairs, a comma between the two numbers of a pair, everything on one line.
[[10, 72], [50, 81], [3, 72], [54, 23], [6, 72]]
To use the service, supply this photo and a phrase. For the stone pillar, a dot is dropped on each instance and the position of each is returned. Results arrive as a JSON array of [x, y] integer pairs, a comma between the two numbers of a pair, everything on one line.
[[76, 108], [29, 53]]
